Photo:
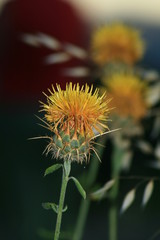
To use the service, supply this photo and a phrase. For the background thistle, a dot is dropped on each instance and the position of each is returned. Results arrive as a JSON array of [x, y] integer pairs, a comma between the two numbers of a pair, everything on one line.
[[129, 95], [116, 42]]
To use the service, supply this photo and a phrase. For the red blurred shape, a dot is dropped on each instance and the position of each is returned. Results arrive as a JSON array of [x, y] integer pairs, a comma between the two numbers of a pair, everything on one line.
[[23, 72]]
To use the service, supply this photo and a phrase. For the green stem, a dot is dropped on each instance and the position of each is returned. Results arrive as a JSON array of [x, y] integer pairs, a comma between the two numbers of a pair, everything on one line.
[[113, 210], [61, 200], [113, 231], [81, 221], [85, 205]]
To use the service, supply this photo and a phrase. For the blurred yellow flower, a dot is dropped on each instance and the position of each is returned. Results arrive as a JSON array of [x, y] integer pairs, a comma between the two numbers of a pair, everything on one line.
[[74, 115], [129, 95], [116, 42]]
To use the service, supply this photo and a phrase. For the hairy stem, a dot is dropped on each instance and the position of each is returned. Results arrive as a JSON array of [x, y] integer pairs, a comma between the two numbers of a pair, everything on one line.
[[61, 200]]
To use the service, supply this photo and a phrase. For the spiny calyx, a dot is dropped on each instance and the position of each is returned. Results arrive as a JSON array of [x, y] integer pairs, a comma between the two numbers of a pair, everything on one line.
[[69, 146]]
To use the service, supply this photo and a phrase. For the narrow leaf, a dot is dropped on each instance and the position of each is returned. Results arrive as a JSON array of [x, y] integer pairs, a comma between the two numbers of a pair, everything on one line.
[[30, 39], [67, 167], [75, 51], [144, 146], [109, 184], [57, 58], [52, 168], [153, 95], [49, 41], [126, 160], [76, 72], [147, 192], [49, 206], [100, 193], [79, 187], [128, 200], [65, 209]]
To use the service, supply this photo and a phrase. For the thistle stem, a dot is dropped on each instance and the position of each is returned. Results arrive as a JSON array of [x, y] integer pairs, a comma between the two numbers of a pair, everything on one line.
[[65, 179], [113, 210], [81, 221], [85, 205]]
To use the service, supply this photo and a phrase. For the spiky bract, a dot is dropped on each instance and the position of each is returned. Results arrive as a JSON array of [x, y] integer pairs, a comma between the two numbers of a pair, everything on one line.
[[116, 42]]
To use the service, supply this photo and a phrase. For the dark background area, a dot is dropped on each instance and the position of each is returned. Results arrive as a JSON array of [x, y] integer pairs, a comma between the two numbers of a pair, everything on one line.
[[23, 78]]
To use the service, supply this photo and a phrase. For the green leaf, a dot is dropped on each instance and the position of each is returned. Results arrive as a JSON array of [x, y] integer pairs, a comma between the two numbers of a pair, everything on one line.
[[53, 206], [79, 187], [52, 168], [101, 193], [67, 167], [65, 209], [49, 206]]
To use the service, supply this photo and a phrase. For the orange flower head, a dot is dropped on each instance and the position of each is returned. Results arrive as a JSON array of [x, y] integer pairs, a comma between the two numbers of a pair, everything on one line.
[[75, 115], [116, 43], [129, 95]]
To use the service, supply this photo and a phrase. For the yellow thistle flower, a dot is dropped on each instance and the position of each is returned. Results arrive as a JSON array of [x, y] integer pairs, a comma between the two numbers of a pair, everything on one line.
[[116, 42], [74, 115], [129, 95]]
